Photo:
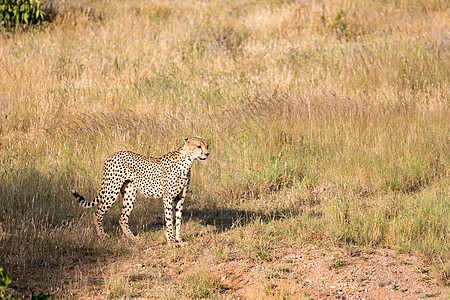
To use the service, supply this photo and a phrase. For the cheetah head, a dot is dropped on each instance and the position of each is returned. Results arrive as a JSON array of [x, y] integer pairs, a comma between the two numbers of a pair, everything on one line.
[[197, 147]]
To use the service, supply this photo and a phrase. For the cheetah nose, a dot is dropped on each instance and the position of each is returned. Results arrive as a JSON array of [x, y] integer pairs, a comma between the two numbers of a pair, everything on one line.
[[207, 154]]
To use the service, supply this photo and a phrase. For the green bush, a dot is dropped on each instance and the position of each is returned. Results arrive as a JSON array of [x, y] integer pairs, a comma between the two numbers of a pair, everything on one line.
[[20, 13], [4, 282]]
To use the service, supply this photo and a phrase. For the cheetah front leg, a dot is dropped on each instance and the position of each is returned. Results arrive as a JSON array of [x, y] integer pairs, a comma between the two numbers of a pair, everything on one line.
[[179, 200], [168, 216]]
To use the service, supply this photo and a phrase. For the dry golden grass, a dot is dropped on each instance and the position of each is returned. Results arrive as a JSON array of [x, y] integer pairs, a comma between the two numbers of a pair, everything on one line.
[[328, 123]]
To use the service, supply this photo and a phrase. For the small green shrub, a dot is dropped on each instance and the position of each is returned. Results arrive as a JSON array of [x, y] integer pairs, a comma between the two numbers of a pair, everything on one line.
[[339, 264], [5, 281], [340, 26], [199, 284], [20, 13], [41, 296]]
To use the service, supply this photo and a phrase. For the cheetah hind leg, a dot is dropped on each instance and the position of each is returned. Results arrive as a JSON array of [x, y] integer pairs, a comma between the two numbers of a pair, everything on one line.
[[98, 224], [129, 196], [107, 200]]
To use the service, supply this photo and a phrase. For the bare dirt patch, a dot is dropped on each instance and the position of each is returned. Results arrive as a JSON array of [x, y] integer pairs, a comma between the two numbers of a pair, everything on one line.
[[331, 274], [307, 272]]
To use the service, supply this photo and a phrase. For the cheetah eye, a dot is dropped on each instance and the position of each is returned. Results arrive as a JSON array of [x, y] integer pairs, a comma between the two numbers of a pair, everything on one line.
[[199, 147]]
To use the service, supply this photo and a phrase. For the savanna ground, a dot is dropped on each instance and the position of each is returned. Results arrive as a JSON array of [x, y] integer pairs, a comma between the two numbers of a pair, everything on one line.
[[328, 125]]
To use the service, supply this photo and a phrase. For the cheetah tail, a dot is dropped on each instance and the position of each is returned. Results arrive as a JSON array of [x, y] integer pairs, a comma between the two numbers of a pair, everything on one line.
[[83, 202]]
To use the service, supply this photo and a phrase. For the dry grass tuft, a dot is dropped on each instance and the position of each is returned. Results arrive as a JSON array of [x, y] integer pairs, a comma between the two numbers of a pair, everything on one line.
[[328, 124]]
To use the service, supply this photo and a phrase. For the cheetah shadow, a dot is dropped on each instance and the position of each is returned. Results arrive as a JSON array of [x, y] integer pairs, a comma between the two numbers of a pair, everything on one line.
[[224, 220], [151, 218]]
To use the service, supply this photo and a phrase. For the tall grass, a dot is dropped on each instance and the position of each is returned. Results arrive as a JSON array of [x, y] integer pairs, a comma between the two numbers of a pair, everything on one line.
[[326, 119]]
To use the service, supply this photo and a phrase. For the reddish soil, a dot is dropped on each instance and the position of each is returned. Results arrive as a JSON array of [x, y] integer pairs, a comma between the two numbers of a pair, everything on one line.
[[307, 272], [330, 274]]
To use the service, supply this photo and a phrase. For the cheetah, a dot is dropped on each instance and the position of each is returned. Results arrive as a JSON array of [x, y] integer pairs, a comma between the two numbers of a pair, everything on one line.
[[166, 178]]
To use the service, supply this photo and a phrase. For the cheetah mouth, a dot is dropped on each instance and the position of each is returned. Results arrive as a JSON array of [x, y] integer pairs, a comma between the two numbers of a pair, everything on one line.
[[201, 158]]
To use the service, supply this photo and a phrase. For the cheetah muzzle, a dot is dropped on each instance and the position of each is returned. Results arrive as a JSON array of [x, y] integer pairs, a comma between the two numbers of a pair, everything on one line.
[[166, 177]]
